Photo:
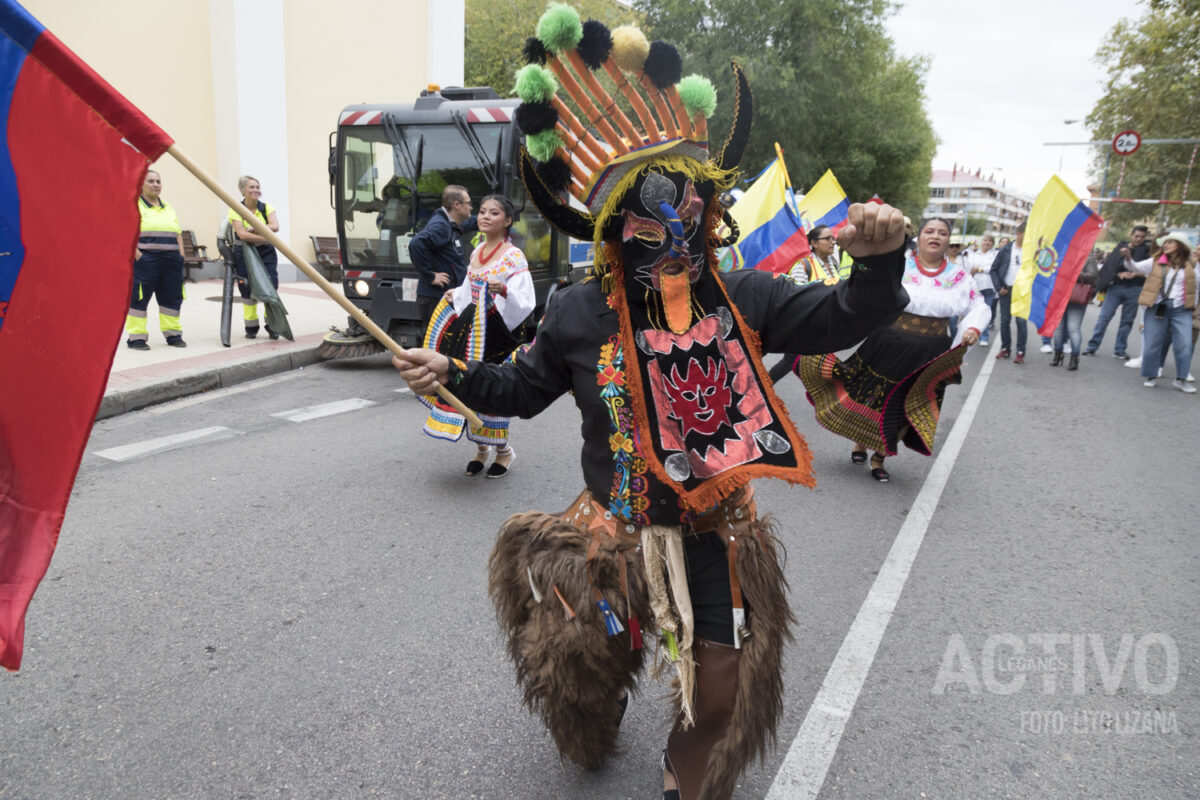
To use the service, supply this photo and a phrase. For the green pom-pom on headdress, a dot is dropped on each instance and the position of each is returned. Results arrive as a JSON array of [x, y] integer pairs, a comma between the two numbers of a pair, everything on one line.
[[560, 28], [543, 145], [698, 94], [535, 84]]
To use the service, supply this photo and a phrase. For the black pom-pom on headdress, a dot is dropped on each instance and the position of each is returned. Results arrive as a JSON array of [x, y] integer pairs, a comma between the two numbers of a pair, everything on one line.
[[535, 51], [534, 118], [664, 65], [555, 174], [596, 43]]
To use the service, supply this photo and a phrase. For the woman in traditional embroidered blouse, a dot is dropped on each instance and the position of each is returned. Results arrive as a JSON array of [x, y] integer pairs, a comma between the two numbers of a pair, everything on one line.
[[475, 321], [891, 389], [1170, 297]]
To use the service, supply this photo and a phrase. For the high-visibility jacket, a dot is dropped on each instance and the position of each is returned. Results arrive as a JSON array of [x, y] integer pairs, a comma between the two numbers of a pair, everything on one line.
[[160, 227], [263, 212]]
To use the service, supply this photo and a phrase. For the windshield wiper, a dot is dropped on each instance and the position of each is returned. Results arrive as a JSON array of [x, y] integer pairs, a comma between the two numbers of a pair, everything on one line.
[[403, 163], [477, 151]]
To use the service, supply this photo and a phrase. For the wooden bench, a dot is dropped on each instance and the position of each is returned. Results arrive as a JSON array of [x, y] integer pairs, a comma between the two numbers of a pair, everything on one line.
[[194, 255], [329, 256]]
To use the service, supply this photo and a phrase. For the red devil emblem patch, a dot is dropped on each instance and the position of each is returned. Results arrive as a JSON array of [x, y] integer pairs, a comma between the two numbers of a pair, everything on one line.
[[710, 409]]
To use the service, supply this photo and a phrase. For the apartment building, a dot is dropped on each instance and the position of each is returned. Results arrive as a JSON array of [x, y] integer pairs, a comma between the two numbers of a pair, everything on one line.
[[957, 193]]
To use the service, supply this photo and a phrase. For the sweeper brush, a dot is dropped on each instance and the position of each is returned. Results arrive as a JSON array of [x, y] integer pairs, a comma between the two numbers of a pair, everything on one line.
[[348, 344]]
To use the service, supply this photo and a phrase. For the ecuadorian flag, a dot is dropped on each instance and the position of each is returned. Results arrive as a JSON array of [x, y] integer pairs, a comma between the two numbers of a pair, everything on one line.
[[825, 204], [771, 236], [1059, 235]]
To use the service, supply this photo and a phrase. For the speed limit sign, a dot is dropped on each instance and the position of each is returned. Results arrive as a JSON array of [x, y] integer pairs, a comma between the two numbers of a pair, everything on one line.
[[1126, 143]]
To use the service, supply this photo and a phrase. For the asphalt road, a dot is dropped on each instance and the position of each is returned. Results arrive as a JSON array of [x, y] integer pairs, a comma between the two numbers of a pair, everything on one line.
[[298, 609]]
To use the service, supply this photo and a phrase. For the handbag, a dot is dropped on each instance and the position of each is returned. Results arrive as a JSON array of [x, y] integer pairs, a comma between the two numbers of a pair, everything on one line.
[[1082, 294]]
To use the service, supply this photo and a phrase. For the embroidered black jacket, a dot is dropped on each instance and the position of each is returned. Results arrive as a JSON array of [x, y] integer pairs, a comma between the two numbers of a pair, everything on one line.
[[578, 349]]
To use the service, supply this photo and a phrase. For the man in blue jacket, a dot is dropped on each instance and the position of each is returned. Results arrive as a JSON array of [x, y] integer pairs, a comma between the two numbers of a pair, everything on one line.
[[1004, 274], [437, 251]]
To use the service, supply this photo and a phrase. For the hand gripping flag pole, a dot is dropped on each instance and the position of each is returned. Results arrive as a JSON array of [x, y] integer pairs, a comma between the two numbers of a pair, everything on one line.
[[316, 277]]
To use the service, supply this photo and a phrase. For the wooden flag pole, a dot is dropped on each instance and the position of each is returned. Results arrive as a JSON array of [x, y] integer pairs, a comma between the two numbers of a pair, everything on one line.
[[262, 230]]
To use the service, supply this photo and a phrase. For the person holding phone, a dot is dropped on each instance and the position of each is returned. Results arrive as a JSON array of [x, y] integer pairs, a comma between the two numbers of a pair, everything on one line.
[[1169, 295]]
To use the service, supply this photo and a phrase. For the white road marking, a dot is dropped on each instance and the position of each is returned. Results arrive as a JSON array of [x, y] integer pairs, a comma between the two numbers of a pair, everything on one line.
[[323, 410], [217, 394], [807, 761], [403, 390], [150, 447]]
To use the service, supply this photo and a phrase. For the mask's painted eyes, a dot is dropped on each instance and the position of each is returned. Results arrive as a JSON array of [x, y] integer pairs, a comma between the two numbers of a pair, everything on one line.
[[690, 210], [646, 231]]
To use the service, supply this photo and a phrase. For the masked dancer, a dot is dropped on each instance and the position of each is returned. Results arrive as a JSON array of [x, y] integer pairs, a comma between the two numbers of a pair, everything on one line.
[[663, 356]]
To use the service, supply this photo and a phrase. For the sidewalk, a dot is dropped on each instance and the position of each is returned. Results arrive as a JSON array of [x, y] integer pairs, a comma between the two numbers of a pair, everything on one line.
[[142, 378]]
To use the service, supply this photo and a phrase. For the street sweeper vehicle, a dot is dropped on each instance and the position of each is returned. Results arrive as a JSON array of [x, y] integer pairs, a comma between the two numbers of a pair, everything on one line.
[[388, 167]]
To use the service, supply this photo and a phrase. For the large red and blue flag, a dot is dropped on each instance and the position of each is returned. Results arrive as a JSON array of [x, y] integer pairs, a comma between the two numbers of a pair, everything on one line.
[[72, 160], [1059, 236]]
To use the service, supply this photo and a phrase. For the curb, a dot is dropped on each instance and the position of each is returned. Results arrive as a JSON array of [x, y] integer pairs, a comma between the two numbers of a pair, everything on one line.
[[152, 392]]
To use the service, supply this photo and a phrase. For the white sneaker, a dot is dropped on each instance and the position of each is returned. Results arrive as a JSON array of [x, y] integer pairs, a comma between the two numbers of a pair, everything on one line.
[[1191, 378], [1134, 363], [1184, 386], [1160, 372], [1148, 384], [984, 342], [1047, 348], [1067, 348]]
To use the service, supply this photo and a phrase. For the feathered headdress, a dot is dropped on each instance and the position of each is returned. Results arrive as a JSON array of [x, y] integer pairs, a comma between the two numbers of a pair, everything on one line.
[[588, 157]]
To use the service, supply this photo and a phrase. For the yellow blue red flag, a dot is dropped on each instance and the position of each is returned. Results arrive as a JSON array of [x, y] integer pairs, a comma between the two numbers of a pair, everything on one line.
[[825, 204], [771, 236], [1059, 236]]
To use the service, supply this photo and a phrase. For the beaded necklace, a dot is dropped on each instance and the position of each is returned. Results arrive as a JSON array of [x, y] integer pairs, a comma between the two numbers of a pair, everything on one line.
[[929, 273], [485, 257]]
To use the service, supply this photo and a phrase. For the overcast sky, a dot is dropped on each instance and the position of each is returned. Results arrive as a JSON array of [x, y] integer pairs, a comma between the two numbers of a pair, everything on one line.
[[1004, 76]]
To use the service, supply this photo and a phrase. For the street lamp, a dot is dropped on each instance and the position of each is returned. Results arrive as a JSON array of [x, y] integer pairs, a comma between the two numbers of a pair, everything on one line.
[[1062, 152]]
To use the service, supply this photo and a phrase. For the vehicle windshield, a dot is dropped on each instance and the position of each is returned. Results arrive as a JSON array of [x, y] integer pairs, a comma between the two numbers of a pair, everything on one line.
[[379, 208], [380, 213]]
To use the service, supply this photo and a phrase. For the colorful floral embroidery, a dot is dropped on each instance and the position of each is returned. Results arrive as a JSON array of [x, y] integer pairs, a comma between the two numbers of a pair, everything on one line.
[[628, 496], [610, 374]]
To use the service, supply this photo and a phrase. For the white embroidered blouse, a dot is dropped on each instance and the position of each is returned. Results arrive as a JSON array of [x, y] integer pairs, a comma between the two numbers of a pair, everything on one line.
[[509, 267], [952, 294]]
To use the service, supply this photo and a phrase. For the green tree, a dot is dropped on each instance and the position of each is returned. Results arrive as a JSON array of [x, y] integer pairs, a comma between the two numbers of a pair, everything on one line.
[[1153, 86], [496, 33], [827, 85]]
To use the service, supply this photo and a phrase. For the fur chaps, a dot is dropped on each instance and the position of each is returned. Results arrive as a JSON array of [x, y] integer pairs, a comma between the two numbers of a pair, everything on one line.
[[571, 672]]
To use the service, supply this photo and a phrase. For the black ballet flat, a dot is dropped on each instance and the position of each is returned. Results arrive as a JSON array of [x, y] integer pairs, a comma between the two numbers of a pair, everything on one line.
[[498, 470], [880, 474], [858, 457], [474, 467]]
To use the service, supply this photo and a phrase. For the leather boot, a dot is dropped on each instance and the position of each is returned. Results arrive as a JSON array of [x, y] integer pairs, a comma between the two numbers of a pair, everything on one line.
[[1058, 358], [716, 691], [1074, 361]]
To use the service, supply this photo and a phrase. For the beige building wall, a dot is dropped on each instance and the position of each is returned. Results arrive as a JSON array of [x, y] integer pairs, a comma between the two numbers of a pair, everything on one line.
[[337, 54], [163, 65], [257, 85]]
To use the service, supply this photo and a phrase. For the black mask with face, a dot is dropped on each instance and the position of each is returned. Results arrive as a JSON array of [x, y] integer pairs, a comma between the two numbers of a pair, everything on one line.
[[661, 227]]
